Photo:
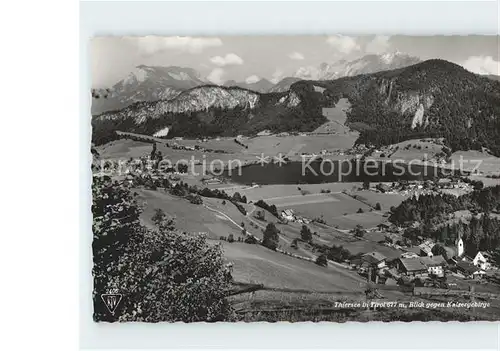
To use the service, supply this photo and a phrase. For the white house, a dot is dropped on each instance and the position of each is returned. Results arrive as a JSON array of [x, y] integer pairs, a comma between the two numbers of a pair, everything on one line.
[[435, 265], [288, 215], [482, 260]]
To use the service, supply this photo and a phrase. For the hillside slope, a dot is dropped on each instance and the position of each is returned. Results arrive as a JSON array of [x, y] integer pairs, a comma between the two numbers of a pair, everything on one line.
[[214, 110], [434, 98]]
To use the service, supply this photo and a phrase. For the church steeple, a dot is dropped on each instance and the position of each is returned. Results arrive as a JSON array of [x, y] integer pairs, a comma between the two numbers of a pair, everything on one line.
[[460, 246]]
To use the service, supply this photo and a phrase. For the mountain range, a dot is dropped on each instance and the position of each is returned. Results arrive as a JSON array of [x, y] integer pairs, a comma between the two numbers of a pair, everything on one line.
[[145, 83], [151, 83], [260, 86], [367, 64], [434, 98]]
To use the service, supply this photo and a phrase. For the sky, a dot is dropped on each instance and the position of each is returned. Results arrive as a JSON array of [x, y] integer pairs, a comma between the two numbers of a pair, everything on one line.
[[249, 58]]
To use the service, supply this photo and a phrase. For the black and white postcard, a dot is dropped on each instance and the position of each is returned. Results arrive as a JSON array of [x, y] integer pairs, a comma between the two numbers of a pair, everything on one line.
[[295, 178]]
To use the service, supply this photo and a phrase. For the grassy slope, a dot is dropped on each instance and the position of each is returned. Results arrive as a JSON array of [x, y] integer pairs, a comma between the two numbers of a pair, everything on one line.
[[336, 116], [257, 264]]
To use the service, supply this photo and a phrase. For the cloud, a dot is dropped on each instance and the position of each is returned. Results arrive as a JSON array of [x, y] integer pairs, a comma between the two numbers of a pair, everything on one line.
[[252, 79], [343, 43], [228, 60], [216, 76], [152, 44], [482, 65], [307, 72], [296, 56], [379, 44], [277, 75]]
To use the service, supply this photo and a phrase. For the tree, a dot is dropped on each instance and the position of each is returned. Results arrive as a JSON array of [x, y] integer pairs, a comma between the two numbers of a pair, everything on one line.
[[378, 207], [158, 217], [360, 210], [321, 260], [230, 238], [153, 152], [305, 233], [261, 215], [439, 250], [250, 240], [237, 197], [195, 199], [366, 184], [478, 185], [359, 231], [271, 237], [182, 168], [162, 275]]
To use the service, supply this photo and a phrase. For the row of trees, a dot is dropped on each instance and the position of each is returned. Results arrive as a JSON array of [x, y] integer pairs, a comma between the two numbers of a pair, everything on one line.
[[270, 208]]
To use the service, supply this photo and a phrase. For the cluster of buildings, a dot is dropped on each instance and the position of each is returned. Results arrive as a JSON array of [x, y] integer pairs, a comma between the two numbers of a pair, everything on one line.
[[420, 262], [418, 187]]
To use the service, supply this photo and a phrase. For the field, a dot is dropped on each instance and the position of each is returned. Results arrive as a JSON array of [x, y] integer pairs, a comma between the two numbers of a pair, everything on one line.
[[337, 117], [188, 217], [342, 204], [349, 221], [257, 264], [124, 149], [266, 192], [385, 200], [409, 150], [487, 164]]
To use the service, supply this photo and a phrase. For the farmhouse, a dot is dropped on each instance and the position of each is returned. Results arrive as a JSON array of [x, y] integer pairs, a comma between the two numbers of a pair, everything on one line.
[[374, 259], [211, 181], [264, 133], [409, 254], [483, 260], [445, 183], [435, 265], [383, 188], [469, 270], [411, 266], [288, 215], [426, 248]]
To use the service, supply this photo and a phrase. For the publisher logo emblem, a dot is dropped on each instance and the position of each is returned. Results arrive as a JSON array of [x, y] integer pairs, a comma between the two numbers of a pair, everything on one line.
[[111, 301]]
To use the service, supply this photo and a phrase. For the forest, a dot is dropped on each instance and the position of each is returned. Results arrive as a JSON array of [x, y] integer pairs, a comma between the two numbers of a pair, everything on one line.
[[480, 231]]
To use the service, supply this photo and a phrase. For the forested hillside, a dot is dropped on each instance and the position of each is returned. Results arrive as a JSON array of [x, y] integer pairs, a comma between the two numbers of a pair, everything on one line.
[[216, 111], [434, 98], [480, 232]]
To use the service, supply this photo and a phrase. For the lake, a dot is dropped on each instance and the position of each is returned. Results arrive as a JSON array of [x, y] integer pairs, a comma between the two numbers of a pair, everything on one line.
[[328, 171]]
